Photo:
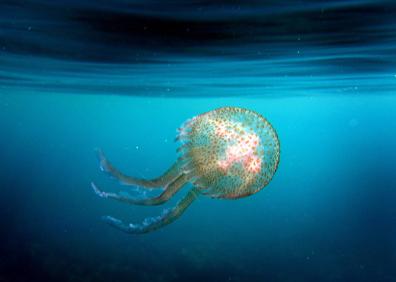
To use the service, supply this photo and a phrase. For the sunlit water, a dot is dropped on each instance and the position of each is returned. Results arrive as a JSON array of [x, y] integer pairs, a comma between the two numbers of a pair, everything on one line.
[[124, 75]]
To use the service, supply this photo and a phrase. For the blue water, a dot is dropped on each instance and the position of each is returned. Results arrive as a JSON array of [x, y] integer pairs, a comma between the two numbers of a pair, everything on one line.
[[124, 75]]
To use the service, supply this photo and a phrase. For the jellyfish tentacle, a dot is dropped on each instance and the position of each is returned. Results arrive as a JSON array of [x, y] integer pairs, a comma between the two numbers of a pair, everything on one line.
[[154, 223], [158, 182], [170, 189]]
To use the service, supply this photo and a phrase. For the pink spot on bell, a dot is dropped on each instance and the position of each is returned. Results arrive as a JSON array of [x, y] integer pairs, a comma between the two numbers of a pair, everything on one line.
[[252, 164]]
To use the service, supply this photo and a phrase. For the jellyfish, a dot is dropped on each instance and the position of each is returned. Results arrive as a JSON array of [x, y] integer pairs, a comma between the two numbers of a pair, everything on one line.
[[226, 153]]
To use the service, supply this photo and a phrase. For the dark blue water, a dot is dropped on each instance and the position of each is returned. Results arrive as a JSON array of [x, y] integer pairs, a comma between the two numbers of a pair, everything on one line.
[[123, 75]]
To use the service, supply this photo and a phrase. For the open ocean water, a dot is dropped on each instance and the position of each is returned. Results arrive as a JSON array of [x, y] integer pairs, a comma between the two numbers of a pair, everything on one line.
[[123, 75]]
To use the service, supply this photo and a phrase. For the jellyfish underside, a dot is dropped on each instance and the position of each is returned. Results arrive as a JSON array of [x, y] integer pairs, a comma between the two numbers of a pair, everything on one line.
[[226, 153]]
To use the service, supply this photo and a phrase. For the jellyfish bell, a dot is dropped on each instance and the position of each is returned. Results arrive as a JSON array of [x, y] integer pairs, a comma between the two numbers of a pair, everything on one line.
[[226, 153], [232, 152]]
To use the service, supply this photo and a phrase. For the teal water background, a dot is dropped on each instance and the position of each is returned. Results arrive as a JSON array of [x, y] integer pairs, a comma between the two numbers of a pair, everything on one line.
[[327, 215]]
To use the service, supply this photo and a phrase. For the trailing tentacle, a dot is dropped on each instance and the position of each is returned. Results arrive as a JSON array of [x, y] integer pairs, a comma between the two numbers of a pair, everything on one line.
[[170, 189], [154, 223], [172, 173]]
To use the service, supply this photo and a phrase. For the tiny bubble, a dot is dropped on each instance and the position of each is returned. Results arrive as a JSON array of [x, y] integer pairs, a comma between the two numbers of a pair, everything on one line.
[[137, 147]]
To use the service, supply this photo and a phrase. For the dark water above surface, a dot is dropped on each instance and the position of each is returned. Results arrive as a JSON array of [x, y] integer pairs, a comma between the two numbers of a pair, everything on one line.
[[124, 75], [198, 48]]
